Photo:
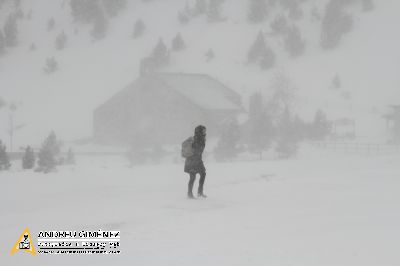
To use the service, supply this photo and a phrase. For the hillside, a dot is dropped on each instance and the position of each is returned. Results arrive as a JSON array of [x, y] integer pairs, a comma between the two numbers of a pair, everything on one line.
[[91, 70]]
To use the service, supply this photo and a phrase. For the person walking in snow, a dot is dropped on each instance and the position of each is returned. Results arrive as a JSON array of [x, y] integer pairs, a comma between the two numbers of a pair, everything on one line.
[[194, 163]]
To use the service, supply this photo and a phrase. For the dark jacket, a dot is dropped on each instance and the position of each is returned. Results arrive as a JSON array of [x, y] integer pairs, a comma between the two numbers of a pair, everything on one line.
[[194, 163]]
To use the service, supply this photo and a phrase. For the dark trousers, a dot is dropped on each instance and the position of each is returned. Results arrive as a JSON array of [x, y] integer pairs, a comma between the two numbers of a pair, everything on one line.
[[201, 183]]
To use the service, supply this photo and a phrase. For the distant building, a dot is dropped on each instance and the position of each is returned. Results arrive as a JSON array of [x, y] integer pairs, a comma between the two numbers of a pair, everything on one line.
[[393, 122], [164, 108], [344, 128]]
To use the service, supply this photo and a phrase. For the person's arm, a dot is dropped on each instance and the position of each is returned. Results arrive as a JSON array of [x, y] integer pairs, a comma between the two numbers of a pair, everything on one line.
[[197, 148]]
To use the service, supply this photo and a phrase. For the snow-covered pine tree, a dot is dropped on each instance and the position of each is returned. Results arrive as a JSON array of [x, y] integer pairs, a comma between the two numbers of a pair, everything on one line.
[[50, 24], [61, 41], [48, 154], [2, 103], [183, 17], [70, 157], [268, 59], [51, 65], [32, 47], [295, 11], [214, 11], [336, 82], [84, 10], [4, 160], [138, 28], [258, 49], [257, 10], [335, 23], [177, 43], [294, 43], [160, 54], [29, 14], [367, 5], [259, 125], [320, 127], [100, 25], [2, 43], [260, 53], [288, 138], [209, 55], [279, 25], [28, 160], [113, 7], [226, 148], [200, 7], [10, 31]]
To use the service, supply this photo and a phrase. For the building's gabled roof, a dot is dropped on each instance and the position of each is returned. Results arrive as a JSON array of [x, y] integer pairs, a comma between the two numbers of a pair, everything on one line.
[[202, 90]]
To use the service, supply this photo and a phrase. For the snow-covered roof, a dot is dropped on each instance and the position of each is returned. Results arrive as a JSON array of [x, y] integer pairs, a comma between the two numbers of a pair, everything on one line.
[[204, 91]]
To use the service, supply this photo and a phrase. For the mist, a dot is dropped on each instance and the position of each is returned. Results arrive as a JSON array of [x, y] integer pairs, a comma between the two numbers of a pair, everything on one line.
[[301, 104]]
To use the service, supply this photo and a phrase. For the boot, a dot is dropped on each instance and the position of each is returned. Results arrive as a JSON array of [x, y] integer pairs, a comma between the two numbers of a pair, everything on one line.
[[201, 195], [190, 186]]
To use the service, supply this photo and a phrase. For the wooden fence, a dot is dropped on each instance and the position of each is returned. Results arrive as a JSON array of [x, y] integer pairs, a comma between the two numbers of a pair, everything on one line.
[[358, 147]]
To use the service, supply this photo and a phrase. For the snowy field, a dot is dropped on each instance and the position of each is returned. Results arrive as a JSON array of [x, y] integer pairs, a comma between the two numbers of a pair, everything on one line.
[[319, 210]]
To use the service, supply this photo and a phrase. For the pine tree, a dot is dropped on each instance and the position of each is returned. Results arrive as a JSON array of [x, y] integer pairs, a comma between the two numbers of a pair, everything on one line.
[[160, 54], [258, 49], [177, 43], [51, 65], [214, 11], [2, 43], [227, 145], [200, 7], [267, 60], [4, 160], [50, 24], [259, 125], [367, 5], [258, 10], [210, 55], [29, 15], [288, 136], [260, 53], [32, 47], [19, 13], [320, 127], [295, 11], [294, 43], [138, 28], [85, 11], [335, 23], [61, 40], [100, 25], [279, 25], [28, 160], [2, 103], [183, 17], [336, 82], [113, 7], [11, 31], [48, 154], [70, 157]]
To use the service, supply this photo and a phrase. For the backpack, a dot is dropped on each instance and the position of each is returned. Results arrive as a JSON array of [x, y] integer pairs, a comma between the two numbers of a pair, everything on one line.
[[187, 149]]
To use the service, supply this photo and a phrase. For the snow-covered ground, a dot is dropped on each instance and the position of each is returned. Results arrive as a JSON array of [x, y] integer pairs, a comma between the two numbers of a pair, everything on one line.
[[320, 209]]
